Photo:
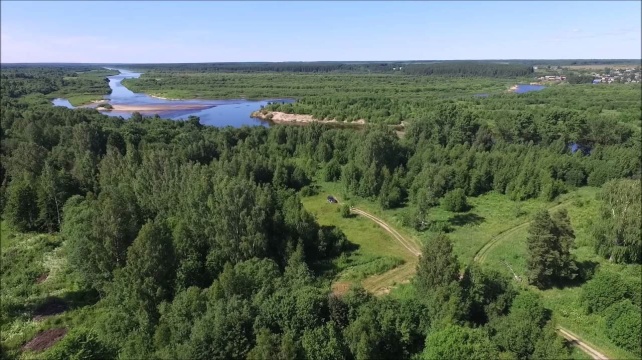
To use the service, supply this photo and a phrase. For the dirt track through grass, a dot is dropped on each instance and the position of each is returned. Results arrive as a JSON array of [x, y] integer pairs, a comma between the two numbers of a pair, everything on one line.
[[381, 284], [482, 253], [576, 341]]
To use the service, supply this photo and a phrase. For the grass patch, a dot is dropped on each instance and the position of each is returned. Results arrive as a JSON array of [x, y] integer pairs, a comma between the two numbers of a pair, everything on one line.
[[33, 271], [371, 239]]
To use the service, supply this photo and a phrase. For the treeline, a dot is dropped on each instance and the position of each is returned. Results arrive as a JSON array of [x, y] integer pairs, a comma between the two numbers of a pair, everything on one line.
[[470, 69], [579, 79], [18, 82], [294, 67], [448, 68]]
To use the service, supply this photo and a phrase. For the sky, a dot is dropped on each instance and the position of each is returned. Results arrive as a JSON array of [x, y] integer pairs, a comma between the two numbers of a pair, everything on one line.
[[219, 31]]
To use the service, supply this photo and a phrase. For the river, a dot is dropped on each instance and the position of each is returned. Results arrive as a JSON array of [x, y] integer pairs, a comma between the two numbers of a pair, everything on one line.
[[220, 113]]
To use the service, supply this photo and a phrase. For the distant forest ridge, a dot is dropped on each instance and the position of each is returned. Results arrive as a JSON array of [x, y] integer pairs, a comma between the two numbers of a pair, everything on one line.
[[483, 68]]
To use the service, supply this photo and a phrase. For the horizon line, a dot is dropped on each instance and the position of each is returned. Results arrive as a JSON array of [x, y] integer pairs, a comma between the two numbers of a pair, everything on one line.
[[316, 61]]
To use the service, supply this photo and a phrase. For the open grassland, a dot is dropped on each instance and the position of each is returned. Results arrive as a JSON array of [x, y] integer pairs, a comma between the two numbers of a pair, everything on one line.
[[509, 251], [376, 251]]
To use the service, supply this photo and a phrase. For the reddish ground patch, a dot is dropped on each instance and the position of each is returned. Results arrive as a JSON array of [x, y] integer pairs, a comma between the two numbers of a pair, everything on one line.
[[42, 278], [45, 339], [52, 306], [340, 288]]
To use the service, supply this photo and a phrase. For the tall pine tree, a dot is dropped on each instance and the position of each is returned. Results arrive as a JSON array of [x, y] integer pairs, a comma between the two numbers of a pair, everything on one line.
[[549, 243]]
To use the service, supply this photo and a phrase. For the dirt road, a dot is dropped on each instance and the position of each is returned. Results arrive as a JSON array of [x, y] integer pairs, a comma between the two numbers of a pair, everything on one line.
[[381, 284], [576, 341], [481, 254], [411, 246]]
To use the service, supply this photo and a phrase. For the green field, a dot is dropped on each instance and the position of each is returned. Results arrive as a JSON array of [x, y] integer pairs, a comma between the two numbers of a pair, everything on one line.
[[377, 251]]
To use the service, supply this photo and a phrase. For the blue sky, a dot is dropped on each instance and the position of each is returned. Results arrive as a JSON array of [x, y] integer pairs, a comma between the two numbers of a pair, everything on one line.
[[165, 31]]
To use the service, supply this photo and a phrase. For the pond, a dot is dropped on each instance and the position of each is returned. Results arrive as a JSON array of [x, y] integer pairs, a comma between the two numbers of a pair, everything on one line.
[[524, 88], [62, 102], [220, 113]]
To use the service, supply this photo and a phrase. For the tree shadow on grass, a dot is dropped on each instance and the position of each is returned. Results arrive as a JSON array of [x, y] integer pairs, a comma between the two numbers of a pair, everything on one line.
[[586, 270], [327, 266], [55, 305], [466, 219]]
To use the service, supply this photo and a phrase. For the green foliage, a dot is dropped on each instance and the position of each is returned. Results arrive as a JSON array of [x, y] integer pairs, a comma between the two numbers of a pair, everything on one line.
[[98, 240], [488, 294], [21, 209], [549, 242], [617, 231], [624, 326], [80, 345], [604, 290], [455, 201], [332, 171], [324, 342], [438, 266], [457, 342], [200, 246], [526, 331], [345, 210]]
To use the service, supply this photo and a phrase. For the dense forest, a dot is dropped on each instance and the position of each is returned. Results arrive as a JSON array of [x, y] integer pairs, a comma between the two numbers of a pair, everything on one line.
[[185, 241], [450, 68]]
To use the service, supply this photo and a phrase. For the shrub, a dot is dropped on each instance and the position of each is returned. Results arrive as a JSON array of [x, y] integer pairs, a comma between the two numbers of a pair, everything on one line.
[[604, 290], [308, 191], [623, 325], [440, 227], [455, 201], [80, 344], [345, 210]]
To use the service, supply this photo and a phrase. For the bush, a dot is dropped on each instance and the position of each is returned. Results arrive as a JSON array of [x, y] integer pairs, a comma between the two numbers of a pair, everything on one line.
[[455, 201], [345, 210], [308, 191], [440, 227], [80, 344], [604, 290], [623, 325]]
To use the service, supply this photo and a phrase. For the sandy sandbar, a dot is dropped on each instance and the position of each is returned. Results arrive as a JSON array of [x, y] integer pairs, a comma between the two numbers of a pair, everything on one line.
[[281, 117], [159, 107]]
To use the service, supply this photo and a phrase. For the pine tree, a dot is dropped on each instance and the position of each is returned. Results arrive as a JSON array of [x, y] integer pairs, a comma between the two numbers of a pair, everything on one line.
[[549, 243], [437, 266]]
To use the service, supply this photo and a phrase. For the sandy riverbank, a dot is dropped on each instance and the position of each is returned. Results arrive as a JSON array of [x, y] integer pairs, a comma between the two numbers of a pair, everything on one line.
[[281, 117], [160, 107], [162, 98]]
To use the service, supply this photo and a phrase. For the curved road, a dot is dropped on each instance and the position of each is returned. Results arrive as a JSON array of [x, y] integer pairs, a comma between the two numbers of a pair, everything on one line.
[[380, 284], [480, 256]]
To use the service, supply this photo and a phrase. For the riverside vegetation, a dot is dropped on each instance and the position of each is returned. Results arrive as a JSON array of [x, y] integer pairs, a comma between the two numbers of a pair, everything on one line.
[[151, 238]]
